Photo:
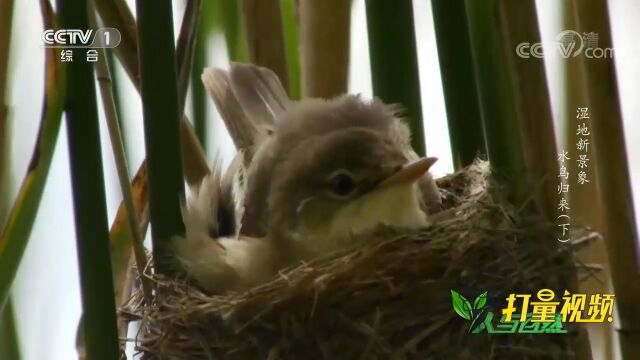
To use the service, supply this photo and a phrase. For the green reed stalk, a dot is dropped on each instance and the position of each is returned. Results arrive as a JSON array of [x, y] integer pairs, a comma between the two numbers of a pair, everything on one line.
[[394, 61], [161, 125], [92, 235], [458, 82]]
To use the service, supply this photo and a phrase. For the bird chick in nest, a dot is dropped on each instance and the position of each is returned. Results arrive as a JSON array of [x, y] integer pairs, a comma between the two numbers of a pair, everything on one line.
[[311, 177]]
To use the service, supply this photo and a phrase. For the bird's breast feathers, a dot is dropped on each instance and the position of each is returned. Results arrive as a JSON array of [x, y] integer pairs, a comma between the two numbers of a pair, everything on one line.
[[397, 207]]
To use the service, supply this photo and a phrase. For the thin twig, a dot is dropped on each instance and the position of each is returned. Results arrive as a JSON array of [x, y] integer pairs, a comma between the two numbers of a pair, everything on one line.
[[89, 199], [6, 16], [125, 295], [116, 13], [111, 114], [186, 48]]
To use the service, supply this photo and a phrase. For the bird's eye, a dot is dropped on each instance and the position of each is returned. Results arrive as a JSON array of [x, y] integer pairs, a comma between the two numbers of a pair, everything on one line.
[[342, 184]]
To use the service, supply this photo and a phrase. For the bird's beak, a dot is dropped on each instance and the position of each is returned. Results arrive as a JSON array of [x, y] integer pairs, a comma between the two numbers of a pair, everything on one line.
[[409, 173]]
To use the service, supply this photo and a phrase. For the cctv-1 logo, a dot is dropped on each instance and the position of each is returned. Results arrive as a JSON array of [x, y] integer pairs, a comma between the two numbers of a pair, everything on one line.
[[77, 38]]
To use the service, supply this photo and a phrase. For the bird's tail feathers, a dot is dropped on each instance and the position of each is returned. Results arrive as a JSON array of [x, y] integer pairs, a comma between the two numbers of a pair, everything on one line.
[[242, 130], [260, 93], [209, 215], [250, 100]]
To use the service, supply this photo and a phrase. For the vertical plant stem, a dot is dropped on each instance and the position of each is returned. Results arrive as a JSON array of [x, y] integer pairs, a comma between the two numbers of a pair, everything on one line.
[[520, 24], [9, 344], [186, 48], [104, 79], [116, 13], [533, 106], [127, 288], [586, 210], [198, 95], [89, 195], [496, 94], [115, 89], [394, 61], [458, 82], [234, 31], [161, 125], [324, 47], [195, 165], [620, 231], [516, 113], [6, 17], [265, 39], [17, 230], [290, 23], [120, 233]]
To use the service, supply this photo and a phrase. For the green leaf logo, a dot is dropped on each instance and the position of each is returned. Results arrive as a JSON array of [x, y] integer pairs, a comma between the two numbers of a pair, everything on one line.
[[480, 301], [461, 305]]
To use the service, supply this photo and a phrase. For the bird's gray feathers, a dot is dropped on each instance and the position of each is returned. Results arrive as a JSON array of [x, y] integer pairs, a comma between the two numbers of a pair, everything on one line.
[[211, 252], [210, 207], [230, 199], [243, 132], [299, 128], [267, 126], [229, 241], [255, 108], [316, 117], [260, 94], [199, 253], [250, 100]]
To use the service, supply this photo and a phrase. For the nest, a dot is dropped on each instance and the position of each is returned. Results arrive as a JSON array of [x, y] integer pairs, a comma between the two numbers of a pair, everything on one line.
[[388, 298]]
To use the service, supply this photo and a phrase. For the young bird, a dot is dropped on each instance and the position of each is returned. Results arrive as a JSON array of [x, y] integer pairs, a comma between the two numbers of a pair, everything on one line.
[[319, 175]]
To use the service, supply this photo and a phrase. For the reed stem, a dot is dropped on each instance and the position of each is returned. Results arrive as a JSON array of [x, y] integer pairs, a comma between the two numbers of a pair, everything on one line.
[[394, 61], [611, 164], [458, 82], [111, 114], [324, 47], [87, 179], [265, 39], [161, 126]]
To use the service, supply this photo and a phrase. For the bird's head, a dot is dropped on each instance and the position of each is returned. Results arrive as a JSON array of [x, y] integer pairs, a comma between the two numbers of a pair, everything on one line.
[[342, 168]]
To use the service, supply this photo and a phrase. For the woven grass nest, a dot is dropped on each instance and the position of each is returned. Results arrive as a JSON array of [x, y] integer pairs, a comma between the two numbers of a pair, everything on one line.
[[388, 298]]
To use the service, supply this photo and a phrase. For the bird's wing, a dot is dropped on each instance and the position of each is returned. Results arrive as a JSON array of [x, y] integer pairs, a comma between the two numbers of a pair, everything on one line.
[[210, 253], [243, 131], [250, 100], [230, 198], [260, 94]]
